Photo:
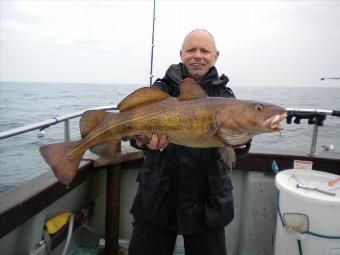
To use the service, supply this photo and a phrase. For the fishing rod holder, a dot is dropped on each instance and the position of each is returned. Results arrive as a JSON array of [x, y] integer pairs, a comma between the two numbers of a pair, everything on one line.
[[315, 117], [312, 119]]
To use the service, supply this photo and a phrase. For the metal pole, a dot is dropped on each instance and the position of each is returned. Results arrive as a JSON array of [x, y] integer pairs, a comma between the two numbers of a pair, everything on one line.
[[152, 41], [314, 140], [67, 130]]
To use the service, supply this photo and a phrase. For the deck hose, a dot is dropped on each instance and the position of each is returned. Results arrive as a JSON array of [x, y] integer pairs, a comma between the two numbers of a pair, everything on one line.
[[69, 234]]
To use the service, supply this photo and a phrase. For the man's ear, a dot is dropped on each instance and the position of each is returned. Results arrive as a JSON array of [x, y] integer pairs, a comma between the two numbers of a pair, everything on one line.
[[180, 54], [217, 54]]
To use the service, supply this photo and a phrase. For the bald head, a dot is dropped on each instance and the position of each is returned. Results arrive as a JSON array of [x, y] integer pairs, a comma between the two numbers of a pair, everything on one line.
[[198, 53], [200, 32]]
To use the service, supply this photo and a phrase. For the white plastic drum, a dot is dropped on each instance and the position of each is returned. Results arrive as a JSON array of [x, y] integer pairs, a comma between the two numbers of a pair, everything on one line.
[[309, 204]]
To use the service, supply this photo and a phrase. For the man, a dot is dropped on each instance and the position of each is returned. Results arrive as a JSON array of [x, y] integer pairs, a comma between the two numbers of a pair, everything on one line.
[[184, 190]]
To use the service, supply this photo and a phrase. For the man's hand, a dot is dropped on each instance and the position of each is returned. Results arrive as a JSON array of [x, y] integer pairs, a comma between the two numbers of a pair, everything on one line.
[[156, 142]]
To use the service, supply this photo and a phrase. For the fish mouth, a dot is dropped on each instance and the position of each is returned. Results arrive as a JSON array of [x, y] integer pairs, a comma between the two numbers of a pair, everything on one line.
[[274, 123]]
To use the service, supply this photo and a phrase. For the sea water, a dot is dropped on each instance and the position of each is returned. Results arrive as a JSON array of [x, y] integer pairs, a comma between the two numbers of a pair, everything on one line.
[[27, 103]]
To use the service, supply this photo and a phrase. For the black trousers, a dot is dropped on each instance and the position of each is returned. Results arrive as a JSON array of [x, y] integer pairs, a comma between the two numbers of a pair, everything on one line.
[[153, 240]]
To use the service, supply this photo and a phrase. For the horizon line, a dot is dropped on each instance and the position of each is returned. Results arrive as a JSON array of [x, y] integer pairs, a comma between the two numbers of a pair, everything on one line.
[[146, 84]]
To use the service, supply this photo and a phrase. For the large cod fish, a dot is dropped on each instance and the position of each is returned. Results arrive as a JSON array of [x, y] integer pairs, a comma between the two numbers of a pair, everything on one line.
[[192, 119]]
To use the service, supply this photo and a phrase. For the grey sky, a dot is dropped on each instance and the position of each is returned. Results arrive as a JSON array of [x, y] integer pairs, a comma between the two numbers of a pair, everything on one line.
[[261, 43]]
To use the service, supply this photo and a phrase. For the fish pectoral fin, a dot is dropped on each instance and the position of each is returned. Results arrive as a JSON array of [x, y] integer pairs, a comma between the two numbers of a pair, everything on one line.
[[228, 156], [90, 119], [207, 135], [222, 137], [190, 89], [227, 152], [142, 96]]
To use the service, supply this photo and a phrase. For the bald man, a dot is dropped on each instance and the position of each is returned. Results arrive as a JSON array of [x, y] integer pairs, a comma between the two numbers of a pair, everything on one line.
[[184, 191]]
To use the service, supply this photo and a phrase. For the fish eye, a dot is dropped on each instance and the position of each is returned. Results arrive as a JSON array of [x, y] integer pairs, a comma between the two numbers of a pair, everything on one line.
[[258, 107]]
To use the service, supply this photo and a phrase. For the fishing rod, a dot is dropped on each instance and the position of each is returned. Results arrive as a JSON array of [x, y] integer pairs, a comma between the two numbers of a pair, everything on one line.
[[152, 41], [332, 78]]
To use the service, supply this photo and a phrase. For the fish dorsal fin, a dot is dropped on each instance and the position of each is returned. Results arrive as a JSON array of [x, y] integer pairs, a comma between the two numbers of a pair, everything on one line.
[[140, 97], [190, 89], [90, 119]]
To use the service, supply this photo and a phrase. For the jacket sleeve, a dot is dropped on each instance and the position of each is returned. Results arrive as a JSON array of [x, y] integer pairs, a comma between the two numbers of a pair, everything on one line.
[[162, 85]]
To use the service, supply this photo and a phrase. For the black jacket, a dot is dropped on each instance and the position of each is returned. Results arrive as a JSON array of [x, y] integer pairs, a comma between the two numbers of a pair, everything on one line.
[[186, 189]]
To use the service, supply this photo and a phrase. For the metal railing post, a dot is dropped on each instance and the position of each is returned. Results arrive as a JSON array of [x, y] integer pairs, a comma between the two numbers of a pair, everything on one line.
[[67, 137], [312, 151]]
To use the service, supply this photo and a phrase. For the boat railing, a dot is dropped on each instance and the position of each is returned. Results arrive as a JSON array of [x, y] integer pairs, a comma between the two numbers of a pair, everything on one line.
[[315, 117], [52, 121]]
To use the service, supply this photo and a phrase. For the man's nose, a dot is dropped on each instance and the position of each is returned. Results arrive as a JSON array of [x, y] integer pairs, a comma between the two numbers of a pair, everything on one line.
[[197, 54]]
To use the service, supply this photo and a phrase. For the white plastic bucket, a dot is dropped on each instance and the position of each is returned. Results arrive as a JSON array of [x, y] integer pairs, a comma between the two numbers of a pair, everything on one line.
[[322, 210]]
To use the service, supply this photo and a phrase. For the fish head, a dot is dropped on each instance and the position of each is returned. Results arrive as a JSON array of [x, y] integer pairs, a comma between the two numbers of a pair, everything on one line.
[[252, 117]]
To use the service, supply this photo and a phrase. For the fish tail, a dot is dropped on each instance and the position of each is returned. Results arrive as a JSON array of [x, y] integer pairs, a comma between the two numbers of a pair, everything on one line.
[[64, 158]]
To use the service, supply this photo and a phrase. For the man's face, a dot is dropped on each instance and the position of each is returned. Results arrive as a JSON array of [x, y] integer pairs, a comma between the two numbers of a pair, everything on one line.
[[198, 53]]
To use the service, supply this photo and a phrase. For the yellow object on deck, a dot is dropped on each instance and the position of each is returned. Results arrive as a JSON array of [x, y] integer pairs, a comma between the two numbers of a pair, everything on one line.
[[54, 224]]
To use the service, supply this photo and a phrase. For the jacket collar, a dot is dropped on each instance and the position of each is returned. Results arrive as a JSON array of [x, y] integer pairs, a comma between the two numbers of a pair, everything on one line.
[[177, 72]]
